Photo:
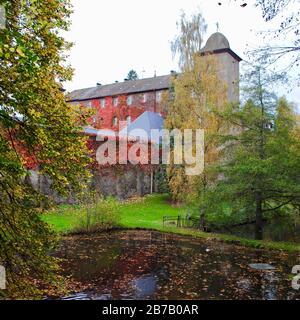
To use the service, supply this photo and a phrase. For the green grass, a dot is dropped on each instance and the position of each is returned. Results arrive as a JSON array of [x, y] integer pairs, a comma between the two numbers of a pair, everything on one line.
[[144, 212], [63, 219], [147, 213]]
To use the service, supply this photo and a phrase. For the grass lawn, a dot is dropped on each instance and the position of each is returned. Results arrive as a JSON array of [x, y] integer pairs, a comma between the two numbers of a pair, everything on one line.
[[144, 212], [147, 213]]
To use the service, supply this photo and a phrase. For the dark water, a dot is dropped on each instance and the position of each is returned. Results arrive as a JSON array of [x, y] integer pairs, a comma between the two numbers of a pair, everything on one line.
[[152, 265], [275, 230]]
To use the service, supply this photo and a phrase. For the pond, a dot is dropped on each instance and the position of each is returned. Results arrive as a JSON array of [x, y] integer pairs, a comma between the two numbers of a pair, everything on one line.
[[153, 265], [280, 229]]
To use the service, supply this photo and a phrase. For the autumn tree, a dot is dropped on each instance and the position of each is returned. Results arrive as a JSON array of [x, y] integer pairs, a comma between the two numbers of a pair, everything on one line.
[[196, 93], [34, 117], [188, 42]]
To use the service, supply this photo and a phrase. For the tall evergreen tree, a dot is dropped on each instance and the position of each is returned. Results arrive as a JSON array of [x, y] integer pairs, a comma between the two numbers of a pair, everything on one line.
[[132, 75], [260, 168]]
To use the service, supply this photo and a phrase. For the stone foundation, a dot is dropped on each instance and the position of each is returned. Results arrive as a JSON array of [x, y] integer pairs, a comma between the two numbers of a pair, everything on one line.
[[132, 182]]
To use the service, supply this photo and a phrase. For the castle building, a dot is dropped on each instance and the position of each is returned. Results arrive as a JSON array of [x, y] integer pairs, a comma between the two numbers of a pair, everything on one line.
[[136, 105], [124, 102], [123, 107]]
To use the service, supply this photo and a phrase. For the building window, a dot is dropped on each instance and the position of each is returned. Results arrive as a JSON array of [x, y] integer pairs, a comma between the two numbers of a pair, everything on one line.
[[129, 100], [102, 103], [115, 101], [87, 104], [128, 120], [158, 96], [115, 121], [145, 97]]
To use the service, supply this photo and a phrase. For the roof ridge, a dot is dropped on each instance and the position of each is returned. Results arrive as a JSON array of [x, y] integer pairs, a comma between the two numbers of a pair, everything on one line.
[[116, 83], [125, 87]]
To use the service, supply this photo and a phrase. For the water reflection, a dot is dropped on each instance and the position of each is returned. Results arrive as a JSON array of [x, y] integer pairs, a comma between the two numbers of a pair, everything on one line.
[[152, 265], [145, 286], [280, 229]]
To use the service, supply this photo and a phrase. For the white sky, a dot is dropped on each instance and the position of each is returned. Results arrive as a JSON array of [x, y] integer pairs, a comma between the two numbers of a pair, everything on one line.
[[114, 36]]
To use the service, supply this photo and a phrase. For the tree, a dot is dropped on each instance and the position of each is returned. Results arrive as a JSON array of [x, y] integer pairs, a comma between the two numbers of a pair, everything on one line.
[[260, 162], [287, 29], [189, 40], [34, 120], [132, 75], [285, 17], [195, 94]]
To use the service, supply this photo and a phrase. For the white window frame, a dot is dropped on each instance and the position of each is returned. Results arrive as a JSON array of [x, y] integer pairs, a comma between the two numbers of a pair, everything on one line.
[[158, 96], [115, 101], [115, 121], [87, 103], [129, 100], [128, 118], [102, 103], [145, 97]]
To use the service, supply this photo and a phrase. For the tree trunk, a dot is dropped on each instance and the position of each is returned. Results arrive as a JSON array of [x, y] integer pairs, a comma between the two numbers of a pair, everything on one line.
[[259, 218], [202, 219]]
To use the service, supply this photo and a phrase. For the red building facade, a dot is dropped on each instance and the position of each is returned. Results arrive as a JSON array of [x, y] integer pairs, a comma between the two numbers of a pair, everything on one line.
[[119, 104]]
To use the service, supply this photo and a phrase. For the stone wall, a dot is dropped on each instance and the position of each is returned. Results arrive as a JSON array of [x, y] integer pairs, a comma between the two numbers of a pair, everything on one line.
[[133, 182], [122, 185]]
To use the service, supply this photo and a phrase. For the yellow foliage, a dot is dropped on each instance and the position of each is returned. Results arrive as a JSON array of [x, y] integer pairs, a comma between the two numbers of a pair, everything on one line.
[[197, 94]]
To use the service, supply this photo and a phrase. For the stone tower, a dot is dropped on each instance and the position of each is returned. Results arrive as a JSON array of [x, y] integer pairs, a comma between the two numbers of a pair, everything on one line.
[[229, 70]]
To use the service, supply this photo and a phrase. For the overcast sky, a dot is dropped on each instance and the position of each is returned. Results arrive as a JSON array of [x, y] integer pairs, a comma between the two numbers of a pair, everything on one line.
[[114, 36]]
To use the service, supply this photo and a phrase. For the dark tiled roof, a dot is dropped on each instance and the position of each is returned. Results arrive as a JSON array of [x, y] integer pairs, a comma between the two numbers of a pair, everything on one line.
[[136, 86]]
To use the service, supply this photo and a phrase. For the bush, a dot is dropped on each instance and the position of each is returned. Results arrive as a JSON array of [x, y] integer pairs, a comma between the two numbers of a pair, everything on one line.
[[102, 215]]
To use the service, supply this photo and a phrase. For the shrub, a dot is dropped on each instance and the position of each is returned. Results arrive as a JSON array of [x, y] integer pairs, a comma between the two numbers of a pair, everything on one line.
[[102, 215]]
